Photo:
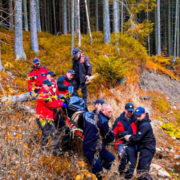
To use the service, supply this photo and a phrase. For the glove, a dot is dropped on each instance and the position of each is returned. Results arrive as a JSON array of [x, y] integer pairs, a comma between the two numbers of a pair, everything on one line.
[[70, 89], [64, 105], [30, 93], [61, 96]]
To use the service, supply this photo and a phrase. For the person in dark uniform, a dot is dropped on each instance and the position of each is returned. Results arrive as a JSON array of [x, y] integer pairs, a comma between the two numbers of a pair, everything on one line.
[[145, 141], [83, 70]]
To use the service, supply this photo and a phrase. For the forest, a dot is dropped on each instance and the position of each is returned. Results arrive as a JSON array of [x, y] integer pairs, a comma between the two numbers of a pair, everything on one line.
[[154, 23]]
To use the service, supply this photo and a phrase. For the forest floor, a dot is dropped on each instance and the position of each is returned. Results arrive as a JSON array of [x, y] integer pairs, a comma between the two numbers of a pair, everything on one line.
[[156, 88]]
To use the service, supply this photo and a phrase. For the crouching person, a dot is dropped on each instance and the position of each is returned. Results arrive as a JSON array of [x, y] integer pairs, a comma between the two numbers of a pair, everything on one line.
[[96, 135], [145, 141], [44, 110]]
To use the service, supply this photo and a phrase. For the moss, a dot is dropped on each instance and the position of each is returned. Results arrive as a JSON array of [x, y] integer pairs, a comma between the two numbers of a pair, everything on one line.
[[171, 129]]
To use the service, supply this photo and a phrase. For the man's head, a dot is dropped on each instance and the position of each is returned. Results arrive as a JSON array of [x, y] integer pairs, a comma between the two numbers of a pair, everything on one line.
[[47, 84], [70, 74], [36, 63], [76, 53], [140, 113], [50, 75], [129, 109], [106, 109], [98, 103]]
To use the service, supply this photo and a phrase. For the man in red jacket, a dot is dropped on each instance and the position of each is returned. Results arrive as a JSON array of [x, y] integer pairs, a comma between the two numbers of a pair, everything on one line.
[[36, 76], [45, 114], [125, 124]]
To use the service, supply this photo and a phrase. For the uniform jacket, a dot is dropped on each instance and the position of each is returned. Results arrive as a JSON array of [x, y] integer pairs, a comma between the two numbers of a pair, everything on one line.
[[46, 104], [123, 126], [37, 76], [145, 138], [96, 132], [82, 67], [53, 87], [63, 83]]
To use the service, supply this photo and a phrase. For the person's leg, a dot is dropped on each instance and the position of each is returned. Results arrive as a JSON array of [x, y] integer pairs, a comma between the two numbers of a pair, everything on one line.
[[55, 141], [122, 158], [95, 163], [132, 159], [108, 158], [76, 87], [46, 131], [145, 159]]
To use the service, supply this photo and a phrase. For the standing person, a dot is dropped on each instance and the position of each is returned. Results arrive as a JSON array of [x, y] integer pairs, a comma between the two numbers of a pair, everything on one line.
[[125, 124], [83, 70], [65, 83], [145, 141], [96, 135], [36, 76], [97, 105], [50, 76], [45, 114]]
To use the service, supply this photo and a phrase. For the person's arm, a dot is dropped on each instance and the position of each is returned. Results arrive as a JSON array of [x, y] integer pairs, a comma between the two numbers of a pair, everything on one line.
[[30, 81], [60, 84], [88, 66], [140, 134]]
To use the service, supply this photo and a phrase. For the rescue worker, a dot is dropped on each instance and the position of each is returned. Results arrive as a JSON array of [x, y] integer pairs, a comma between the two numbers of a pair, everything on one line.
[[36, 76], [65, 84], [44, 110], [125, 124], [97, 105], [50, 76], [83, 70], [96, 135], [145, 141]]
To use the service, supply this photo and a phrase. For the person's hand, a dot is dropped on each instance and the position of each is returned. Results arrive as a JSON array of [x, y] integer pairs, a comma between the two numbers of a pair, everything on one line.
[[87, 77], [30, 93], [126, 137], [64, 105], [70, 89]]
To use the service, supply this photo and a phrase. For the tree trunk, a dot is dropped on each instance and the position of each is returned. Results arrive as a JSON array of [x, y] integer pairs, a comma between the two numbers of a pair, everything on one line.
[[38, 19], [33, 26], [25, 15], [169, 29], [106, 22], [11, 14], [1, 67], [176, 29], [158, 29], [19, 50], [72, 26], [54, 16], [45, 15], [78, 23], [97, 16], [122, 17], [88, 21], [69, 16], [65, 16], [116, 16]]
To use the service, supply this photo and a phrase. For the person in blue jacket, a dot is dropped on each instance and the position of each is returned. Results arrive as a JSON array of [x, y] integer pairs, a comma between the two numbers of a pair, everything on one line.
[[83, 70], [97, 134], [145, 141]]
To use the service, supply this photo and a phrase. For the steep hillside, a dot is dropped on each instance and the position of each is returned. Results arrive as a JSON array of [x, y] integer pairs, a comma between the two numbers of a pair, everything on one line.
[[121, 78]]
